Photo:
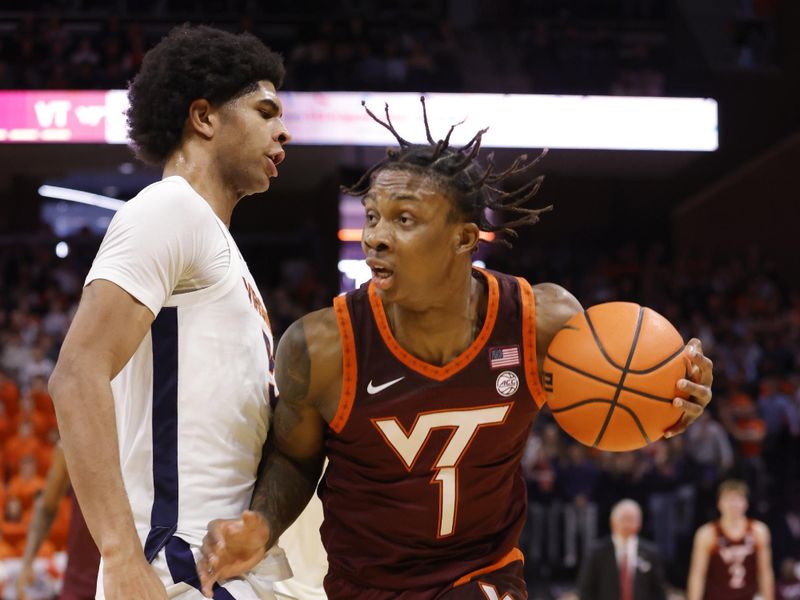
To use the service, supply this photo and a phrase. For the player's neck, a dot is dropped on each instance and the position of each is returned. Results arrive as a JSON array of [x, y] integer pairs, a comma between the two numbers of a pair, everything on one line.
[[733, 524], [200, 173], [439, 333]]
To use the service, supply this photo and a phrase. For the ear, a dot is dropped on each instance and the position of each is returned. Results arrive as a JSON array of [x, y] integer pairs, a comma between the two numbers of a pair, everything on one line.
[[202, 118], [467, 238]]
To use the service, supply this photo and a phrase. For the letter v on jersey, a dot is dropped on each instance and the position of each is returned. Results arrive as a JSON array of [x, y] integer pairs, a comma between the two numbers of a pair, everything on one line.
[[374, 389]]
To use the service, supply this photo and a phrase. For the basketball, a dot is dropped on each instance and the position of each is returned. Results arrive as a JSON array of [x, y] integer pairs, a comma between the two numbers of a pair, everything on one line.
[[611, 375]]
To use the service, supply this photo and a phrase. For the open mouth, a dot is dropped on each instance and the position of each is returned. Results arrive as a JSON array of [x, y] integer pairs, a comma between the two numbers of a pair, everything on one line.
[[382, 278]]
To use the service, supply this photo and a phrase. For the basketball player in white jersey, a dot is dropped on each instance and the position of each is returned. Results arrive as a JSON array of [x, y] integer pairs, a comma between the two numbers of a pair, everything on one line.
[[164, 381]]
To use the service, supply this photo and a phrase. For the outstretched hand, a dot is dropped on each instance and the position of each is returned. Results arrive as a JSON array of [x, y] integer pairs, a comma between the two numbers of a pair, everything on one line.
[[232, 547], [697, 386]]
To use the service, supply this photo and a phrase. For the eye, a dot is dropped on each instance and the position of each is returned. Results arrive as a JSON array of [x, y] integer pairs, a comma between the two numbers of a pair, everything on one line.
[[405, 219], [265, 115], [371, 217]]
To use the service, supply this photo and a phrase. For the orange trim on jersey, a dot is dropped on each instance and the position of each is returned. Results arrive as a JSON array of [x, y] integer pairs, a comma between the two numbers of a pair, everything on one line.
[[529, 342], [514, 555], [349, 365], [459, 362]]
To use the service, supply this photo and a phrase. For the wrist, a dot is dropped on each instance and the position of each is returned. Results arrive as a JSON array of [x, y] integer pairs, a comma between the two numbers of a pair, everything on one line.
[[121, 552]]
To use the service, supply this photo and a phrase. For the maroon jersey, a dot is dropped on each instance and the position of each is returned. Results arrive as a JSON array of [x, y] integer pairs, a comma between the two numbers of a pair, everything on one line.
[[424, 489], [83, 559], [732, 567]]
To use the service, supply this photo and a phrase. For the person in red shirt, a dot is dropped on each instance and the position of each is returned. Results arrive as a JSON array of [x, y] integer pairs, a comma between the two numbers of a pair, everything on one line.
[[732, 557], [83, 561]]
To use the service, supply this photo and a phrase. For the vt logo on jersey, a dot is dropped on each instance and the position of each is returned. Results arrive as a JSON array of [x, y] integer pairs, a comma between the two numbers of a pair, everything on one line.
[[465, 424], [491, 592]]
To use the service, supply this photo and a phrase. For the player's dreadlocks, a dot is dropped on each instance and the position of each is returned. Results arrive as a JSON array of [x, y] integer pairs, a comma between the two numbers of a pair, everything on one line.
[[475, 189]]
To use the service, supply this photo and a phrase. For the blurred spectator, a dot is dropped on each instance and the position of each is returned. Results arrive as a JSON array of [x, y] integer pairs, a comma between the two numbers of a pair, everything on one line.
[[576, 480], [623, 566], [27, 483]]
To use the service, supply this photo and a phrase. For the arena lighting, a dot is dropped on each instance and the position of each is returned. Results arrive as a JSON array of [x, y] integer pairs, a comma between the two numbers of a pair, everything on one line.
[[61, 193], [338, 119]]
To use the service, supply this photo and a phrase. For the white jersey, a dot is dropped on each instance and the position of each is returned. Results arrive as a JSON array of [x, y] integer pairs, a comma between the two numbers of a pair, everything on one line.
[[193, 403]]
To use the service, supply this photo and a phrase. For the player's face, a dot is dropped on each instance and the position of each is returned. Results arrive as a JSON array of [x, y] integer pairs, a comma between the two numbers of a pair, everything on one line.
[[411, 244], [251, 139], [732, 504]]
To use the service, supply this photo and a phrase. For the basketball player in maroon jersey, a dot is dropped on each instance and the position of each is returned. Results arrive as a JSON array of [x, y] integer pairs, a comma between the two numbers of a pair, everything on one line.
[[732, 558], [420, 388], [83, 558]]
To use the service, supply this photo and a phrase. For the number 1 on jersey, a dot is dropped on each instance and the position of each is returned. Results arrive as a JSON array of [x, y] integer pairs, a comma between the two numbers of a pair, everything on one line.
[[408, 445]]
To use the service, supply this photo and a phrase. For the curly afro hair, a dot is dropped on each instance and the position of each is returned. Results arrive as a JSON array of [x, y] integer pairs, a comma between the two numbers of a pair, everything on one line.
[[192, 62]]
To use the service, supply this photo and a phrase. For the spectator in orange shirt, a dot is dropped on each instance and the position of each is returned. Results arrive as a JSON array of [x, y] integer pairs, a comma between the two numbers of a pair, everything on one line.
[[6, 429], [27, 483], [15, 524], [42, 400], [9, 393], [23, 443], [29, 412]]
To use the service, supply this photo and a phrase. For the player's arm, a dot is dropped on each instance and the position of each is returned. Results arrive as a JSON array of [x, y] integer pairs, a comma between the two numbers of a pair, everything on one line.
[[766, 578], [698, 569], [44, 512], [554, 307], [108, 327], [308, 368]]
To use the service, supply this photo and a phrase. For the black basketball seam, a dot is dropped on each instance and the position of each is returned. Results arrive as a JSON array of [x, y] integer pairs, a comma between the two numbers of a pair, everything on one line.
[[627, 409], [636, 420], [609, 383], [598, 342], [659, 365], [580, 403], [622, 377]]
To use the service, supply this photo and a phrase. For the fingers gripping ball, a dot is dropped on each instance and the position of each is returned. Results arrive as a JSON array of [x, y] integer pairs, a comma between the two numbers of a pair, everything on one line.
[[611, 375]]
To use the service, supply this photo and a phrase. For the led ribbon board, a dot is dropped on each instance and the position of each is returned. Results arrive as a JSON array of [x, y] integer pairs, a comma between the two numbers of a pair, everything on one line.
[[338, 119]]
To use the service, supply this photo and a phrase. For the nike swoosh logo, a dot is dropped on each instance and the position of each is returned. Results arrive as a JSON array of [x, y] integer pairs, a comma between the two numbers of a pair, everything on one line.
[[374, 389]]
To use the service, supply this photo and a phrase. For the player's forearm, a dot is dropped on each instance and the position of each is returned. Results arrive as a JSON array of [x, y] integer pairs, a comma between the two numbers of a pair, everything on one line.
[[85, 410], [766, 584], [41, 522], [283, 489], [694, 590]]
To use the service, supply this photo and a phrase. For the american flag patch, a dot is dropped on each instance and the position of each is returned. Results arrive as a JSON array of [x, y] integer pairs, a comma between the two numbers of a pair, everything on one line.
[[503, 356]]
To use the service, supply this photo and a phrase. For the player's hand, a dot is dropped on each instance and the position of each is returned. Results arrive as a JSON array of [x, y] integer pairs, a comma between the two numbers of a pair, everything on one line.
[[132, 578], [698, 386], [232, 547], [24, 580]]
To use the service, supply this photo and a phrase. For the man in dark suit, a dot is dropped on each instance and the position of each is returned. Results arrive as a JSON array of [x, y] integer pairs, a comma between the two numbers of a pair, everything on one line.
[[622, 566]]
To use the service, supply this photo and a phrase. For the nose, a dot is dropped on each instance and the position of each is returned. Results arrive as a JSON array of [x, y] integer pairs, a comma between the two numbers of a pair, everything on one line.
[[282, 135], [376, 237]]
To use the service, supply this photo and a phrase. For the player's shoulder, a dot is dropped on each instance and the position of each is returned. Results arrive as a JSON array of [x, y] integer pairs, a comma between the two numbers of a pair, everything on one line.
[[554, 307], [760, 530], [706, 533], [317, 332], [170, 199]]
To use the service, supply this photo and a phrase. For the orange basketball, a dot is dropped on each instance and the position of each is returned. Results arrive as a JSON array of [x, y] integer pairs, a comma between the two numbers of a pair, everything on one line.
[[611, 375]]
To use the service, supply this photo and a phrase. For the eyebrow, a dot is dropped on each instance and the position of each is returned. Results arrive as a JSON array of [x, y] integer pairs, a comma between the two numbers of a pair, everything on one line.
[[272, 104]]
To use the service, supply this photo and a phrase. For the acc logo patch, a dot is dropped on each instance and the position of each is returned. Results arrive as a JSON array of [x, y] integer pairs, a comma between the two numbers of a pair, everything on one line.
[[507, 383]]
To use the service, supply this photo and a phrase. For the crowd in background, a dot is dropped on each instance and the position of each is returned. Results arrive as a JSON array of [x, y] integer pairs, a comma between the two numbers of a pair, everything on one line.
[[747, 318], [508, 46]]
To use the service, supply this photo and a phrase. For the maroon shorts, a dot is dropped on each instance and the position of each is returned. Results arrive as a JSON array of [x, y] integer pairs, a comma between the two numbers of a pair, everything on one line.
[[505, 583]]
